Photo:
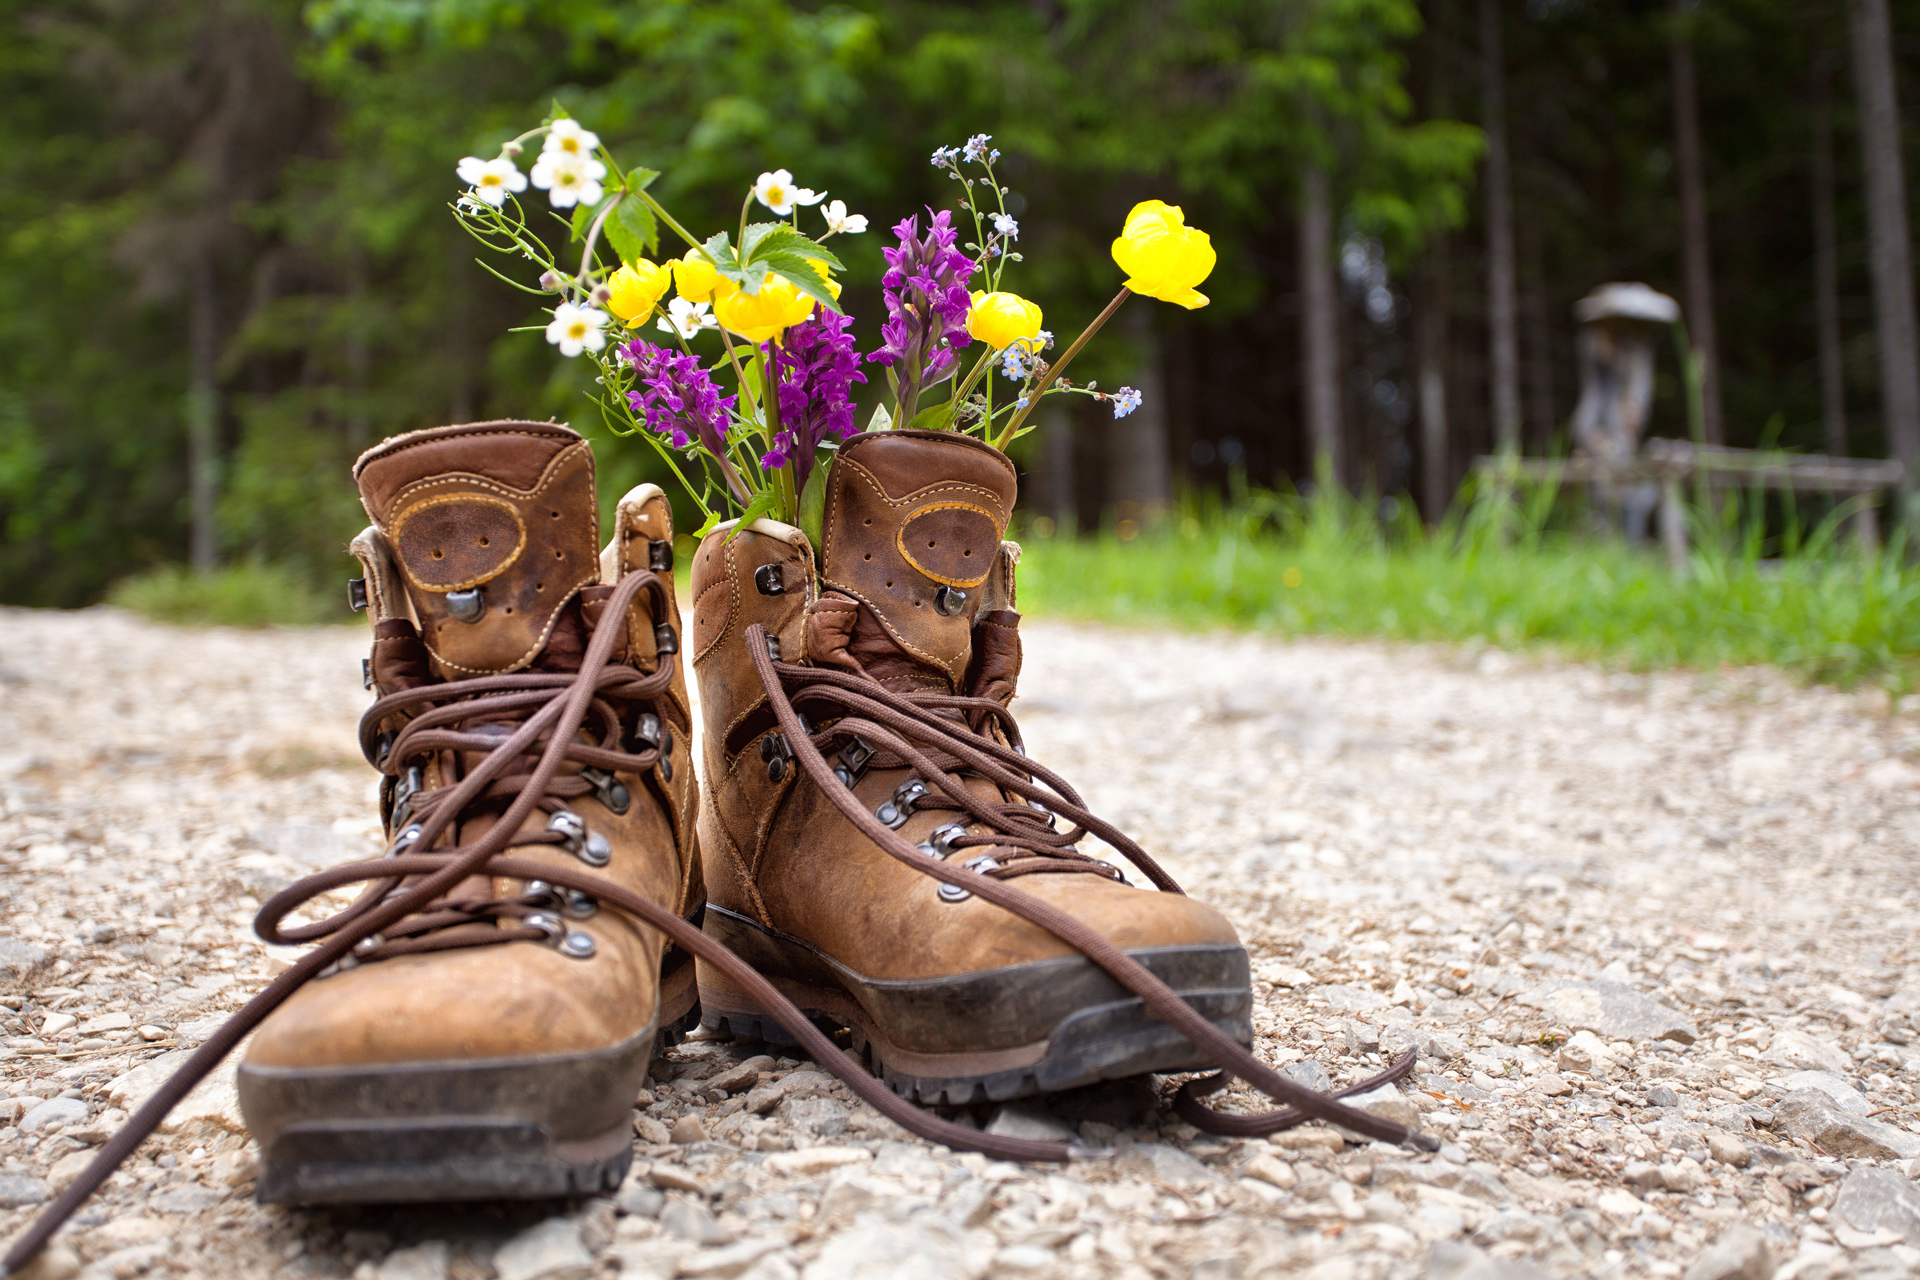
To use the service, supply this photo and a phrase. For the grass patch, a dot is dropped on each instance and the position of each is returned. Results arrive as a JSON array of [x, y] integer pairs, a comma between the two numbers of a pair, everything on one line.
[[1810, 604], [250, 594]]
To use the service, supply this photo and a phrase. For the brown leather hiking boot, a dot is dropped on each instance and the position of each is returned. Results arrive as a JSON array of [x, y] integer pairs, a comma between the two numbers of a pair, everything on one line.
[[490, 1043], [899, 665]]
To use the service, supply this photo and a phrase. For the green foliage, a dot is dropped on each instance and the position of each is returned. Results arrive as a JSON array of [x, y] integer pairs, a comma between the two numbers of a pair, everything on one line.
[[1498, 575], [249, 594]]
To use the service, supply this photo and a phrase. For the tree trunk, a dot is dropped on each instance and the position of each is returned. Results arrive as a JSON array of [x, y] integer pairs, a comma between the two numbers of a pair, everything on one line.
[[1826, 270], [1887, 228], [1137, 454], [1430, 345], [1503, 365], [1541, 421], [203, 417], [1320, 327], [1696, 265]]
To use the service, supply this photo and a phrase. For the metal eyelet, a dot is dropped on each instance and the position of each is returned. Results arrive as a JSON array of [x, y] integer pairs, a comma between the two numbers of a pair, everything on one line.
[[773, 647], [539, 893], [369, 944], [852, 761], [896, 811], [610, 790], [383, 747], [1041, 809], [366, 673], [948, 601], [577, 945], [404, 841], [580, 905], [585, 844], [940, 843], [980, 866], [549, 925], [665, 641], [777, 754], [666, 739], [405, 788], [660, 555], [467, 606], [357, 594], [646, 730], [770, 580]]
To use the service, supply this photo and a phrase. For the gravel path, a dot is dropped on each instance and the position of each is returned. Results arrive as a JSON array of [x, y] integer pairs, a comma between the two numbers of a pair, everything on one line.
[[1654, 937]]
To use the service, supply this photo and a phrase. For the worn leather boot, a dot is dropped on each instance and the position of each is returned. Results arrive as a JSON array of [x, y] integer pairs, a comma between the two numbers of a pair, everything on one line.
[[899, 663], [491, 1042]]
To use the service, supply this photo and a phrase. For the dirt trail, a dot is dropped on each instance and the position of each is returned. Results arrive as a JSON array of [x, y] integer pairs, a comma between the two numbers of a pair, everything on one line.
[[1653, 935]]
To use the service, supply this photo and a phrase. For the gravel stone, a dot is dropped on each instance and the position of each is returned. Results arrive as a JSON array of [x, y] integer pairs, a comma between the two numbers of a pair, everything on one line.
[[550, 1250], [1740, 1254], [51, 1112], [923, 1249], [1610, 1009], [1811, 1116], [427, 1261], [1880, 1200], [17, 1190]]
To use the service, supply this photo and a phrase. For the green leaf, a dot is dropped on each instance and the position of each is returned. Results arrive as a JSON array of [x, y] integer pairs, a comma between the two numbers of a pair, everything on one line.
[[714, 520], [582, 219], [803, 274], [937, 418], [749, 277], [632, 231], [763, 238], [640, 179], [881, 419], [812, 516], [719, 247], [763, 502]]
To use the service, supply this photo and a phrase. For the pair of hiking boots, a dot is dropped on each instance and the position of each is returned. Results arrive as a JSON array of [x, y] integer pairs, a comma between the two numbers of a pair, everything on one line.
[[562, 895]]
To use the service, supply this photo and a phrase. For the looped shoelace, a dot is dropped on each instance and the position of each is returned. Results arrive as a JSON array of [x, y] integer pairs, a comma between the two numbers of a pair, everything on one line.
[[933, 734], [407, 883]]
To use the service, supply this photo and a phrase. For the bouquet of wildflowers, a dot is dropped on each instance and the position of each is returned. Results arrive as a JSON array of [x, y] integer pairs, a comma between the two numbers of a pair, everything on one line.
[[747, 418]]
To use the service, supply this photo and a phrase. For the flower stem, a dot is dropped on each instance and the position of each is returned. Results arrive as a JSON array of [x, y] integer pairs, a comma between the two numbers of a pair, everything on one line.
[[660, 211], [593, 235], [1033, 397]]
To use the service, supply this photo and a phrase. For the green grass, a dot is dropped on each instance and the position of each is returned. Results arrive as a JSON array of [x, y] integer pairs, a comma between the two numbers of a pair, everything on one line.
[[1812, 605], [250, 594]]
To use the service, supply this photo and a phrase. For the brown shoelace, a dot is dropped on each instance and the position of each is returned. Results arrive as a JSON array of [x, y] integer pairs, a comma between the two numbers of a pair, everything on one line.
[[405, 906], [935, 734]]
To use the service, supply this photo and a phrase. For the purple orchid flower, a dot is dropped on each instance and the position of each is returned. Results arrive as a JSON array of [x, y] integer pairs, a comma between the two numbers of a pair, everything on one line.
[[677, 398], [815, 367], [927, 305]]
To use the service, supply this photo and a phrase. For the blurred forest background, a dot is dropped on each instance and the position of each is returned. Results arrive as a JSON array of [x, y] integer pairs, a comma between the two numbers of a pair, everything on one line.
[[226, 262]]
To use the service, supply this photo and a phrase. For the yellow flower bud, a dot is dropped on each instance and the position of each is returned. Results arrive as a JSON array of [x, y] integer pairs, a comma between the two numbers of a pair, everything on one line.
[[766, 314], [1002, 319], [635, 289], [697, 278], [1163, 257]]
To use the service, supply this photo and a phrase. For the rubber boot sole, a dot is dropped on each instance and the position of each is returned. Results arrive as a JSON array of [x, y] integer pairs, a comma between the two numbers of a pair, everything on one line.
[[537, 1127], [989, 1036]]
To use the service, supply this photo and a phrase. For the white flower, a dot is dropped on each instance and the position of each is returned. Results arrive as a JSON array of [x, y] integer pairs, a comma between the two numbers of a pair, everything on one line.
[[776, 191], [491, 179], [569, 179], [976, 148], [567, 137], [1006, 226], [576, 329], [1125, 401], [840, 221], [686, 318]]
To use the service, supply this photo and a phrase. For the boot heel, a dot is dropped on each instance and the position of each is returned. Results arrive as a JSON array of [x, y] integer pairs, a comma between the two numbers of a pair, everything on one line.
[[728, 1008]]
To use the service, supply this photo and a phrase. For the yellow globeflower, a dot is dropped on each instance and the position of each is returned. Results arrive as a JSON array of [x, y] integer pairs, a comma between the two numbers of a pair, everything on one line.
[[1163, 257], [766, 314], [1002, 319], [697, 278], [833, 286], [635, 289]]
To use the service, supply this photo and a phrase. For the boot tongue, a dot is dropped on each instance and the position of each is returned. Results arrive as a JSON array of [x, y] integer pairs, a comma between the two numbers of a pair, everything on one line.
[[493, 527], [911, 532]]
